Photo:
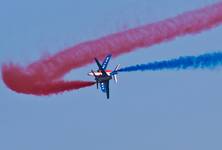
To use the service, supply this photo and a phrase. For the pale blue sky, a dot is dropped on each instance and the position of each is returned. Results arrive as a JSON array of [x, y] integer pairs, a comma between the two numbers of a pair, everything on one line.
[[167, 110]]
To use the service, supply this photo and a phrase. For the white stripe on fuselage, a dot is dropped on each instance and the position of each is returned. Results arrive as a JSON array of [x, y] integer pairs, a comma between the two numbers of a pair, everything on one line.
[[99, 73]]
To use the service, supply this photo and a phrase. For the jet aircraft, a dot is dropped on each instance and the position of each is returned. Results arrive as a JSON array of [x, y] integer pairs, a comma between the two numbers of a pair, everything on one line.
[[103, 76]]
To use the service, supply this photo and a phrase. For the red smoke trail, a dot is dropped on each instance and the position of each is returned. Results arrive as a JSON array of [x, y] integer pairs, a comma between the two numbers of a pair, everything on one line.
[[22, 81], [52, 69]]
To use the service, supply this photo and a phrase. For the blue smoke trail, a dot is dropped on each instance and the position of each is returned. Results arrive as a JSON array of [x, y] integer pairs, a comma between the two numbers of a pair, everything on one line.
[[204, 61]]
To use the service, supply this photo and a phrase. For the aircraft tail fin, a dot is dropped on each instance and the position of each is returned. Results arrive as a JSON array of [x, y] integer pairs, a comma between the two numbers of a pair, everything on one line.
[[115, 73], [117, 67], [115, 78]]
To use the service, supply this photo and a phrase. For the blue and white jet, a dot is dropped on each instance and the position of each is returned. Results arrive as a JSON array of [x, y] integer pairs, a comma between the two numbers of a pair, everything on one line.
[[102, 76]]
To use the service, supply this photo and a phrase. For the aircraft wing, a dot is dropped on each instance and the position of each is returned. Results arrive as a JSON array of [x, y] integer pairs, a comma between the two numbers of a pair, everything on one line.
[[106, 61], [105, 88], [100, 67]]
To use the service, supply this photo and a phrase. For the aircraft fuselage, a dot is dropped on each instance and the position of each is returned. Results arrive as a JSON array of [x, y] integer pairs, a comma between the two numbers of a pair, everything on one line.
[[100, 77], [99, 73]]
